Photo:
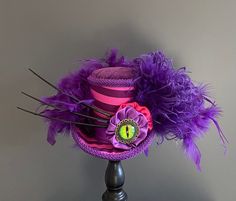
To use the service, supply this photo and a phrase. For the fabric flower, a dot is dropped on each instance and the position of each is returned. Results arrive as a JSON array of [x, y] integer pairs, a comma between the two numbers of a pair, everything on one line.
[[144, 110], [127, 128]]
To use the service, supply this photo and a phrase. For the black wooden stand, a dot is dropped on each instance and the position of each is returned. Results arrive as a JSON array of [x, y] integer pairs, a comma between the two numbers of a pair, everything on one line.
[[114, 179]]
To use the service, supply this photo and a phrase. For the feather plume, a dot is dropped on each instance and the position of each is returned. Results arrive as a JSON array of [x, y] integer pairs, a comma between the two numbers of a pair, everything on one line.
[[76, 85], [176, 103], [179, 108]]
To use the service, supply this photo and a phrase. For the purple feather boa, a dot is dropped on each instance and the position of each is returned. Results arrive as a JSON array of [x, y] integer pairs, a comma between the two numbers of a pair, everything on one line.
[[180, 109], [178, 106]]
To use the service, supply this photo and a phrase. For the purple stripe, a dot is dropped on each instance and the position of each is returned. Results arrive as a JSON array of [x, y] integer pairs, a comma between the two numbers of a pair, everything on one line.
[[110, 82], [104, 106], [113, 93]]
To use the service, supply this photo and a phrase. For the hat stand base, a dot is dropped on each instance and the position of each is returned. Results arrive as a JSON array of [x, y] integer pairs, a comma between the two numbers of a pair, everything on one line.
[[114, 179]]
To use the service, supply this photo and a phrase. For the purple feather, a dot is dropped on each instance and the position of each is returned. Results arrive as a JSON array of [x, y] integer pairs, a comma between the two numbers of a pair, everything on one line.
[[177, 105], [76, 84], [175, 102], [192, 151]]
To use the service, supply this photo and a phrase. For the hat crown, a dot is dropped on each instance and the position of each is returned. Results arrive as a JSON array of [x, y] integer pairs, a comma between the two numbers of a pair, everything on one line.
[[111, 87]]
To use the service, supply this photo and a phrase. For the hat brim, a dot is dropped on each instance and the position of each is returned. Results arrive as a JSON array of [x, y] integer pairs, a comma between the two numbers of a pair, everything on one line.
[[106, 151]]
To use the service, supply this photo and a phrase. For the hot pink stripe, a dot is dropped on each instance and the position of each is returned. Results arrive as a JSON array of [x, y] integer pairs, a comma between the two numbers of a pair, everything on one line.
[[109, 100], [94, 143], [113, 93], [120, 88], [101, 146]]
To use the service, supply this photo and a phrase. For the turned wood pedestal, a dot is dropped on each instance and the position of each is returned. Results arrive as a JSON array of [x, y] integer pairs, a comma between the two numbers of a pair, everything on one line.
[[114, 179]]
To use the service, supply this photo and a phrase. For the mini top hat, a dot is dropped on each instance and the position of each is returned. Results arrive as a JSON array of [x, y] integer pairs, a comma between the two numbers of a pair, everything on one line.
[[115, 107], [127, 134]]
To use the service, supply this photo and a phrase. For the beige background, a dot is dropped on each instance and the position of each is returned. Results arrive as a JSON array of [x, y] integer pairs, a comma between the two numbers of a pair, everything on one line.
[[50, 35]]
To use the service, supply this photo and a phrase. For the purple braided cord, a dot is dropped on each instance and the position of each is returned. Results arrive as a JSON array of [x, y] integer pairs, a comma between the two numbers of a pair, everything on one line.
[[113, 156], [110, 82]]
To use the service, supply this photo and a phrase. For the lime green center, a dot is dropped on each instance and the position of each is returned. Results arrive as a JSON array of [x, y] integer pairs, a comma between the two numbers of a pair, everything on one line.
[[127, 131]]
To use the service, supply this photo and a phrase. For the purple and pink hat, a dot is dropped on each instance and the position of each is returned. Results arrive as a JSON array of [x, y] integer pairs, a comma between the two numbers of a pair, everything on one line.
[[115, 107], [113, 89]]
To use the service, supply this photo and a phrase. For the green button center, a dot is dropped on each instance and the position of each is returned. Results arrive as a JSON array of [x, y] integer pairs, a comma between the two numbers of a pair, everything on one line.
[[127, 131]]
